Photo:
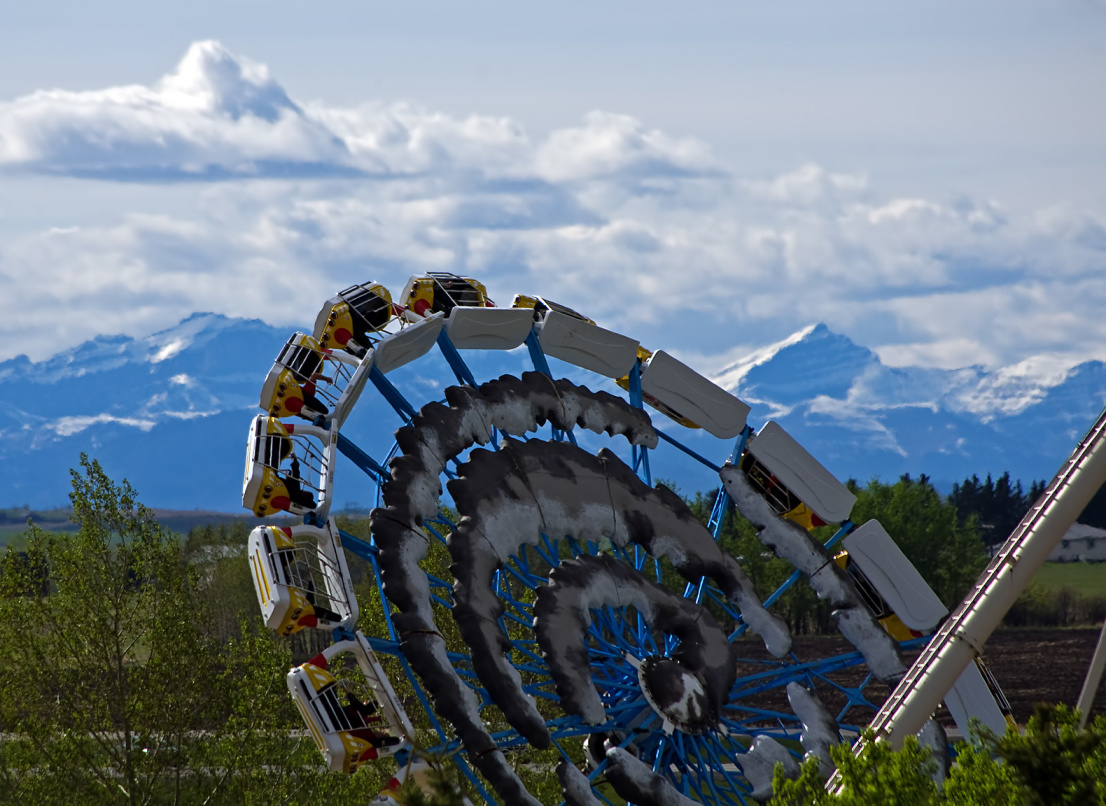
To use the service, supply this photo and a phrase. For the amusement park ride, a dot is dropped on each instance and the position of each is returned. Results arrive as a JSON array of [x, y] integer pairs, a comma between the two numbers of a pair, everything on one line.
[[590, 614]]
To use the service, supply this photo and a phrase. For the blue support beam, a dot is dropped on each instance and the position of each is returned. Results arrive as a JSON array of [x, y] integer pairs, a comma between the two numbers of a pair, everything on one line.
[[394, 397], [456, 363], [366, 551], [537, 356], [369, 465], [722, 500], [641, 454]]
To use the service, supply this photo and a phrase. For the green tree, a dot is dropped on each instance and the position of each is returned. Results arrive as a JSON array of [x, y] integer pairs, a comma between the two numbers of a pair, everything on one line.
[[109, 679], [1056, 762], [118, 684], [880, 775], [1053, 762]]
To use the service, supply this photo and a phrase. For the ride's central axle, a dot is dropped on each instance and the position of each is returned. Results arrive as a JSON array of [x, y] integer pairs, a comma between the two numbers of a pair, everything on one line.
[[677, 695]]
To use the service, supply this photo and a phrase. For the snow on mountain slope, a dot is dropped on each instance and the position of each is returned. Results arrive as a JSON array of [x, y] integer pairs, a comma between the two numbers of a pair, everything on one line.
[[864, 419], [170, 411]]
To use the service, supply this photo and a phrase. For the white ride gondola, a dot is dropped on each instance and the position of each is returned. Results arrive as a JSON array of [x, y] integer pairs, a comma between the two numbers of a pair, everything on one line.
[[409, 344], [301, 578], [487, 328], [574, 338], [672, 386], [796, 485], [301, 487], [353, 731], [906, 608], [579, 342], [441, 292]]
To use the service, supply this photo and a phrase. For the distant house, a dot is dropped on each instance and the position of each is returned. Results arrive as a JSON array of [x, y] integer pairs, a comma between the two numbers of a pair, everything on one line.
[[1080, 544]]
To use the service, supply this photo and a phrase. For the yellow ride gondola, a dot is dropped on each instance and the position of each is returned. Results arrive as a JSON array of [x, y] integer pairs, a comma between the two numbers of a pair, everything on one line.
[[291, 387], [300, 577], [441, 292], [347, 320], [269, 487]]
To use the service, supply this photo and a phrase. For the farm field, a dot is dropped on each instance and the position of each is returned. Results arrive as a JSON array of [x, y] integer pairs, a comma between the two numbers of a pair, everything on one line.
[[1088, 579], [1031, 666]]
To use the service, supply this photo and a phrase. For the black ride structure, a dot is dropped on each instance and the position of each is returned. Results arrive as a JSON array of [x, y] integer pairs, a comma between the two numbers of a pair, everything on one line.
[[538, 590]]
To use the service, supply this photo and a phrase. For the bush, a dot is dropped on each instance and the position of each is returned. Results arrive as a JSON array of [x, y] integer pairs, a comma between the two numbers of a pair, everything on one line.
[[1054, 763]]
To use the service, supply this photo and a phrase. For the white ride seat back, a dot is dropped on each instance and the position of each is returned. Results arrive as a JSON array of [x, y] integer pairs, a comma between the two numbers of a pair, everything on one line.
[[685, 391], [801, 473], [586, 345], [895, 577], [488, 328]]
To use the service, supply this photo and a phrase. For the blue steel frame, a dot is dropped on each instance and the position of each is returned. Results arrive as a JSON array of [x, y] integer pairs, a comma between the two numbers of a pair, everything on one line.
[[705, 767]]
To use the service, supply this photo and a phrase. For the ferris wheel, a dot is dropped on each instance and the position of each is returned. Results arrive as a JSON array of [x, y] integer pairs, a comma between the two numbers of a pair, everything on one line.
[[550, 607]]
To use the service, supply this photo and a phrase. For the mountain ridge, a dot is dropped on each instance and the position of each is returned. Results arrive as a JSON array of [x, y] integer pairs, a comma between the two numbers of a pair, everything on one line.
[[170, 410]]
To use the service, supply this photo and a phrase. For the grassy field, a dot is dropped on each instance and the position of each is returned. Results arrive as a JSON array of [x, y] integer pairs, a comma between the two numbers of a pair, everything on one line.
[[13, 522], [1088, 579]]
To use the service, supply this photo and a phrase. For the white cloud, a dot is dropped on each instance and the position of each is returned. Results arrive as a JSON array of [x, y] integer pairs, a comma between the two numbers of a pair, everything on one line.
[[68, 426], [215, 114], [642, 230], [610, 145], [808, 185]]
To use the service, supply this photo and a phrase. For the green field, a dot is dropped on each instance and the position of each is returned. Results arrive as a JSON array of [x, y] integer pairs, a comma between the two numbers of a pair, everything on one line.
[[13, 522], [1088, 579]]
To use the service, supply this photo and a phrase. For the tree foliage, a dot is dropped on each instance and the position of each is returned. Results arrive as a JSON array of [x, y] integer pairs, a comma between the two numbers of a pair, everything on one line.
[[879, 776], [118, 683], [107, 679], [1053, 762]]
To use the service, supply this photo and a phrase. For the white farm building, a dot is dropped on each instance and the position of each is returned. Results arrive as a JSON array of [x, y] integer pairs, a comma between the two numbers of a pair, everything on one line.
[[1080, 544]]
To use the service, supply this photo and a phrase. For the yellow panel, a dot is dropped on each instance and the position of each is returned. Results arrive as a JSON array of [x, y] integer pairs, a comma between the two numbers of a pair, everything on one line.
[[312, 728], [354, 748], [339, 319], [260, 578], [287, 388], [318, 677], [280, 539]]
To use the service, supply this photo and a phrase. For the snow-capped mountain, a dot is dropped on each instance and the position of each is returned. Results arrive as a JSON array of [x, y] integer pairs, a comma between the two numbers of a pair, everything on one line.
[[165, 411], [170, 411], [863, 419]]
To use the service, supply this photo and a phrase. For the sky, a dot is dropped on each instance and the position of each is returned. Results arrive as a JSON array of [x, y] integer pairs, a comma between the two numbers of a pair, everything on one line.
[[928, 179]]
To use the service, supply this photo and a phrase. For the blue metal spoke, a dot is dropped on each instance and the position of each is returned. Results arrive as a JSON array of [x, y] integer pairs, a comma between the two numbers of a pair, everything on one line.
[[453, 358], [366, 551], [389, 392], [366, 463]]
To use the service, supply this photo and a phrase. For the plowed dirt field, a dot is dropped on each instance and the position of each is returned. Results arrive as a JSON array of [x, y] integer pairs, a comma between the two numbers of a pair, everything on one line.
[[1031, 666]]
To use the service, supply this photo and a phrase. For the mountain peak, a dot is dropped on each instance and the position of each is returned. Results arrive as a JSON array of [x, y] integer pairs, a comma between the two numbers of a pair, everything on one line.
[[826, 361]]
